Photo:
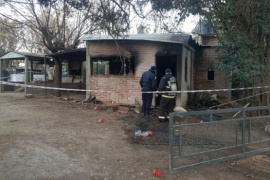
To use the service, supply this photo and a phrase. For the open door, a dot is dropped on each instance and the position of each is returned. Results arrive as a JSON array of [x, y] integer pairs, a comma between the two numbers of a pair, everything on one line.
[[162, 63]]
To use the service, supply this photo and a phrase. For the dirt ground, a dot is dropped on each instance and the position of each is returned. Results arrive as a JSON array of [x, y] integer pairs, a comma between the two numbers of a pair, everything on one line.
[[56, 139]]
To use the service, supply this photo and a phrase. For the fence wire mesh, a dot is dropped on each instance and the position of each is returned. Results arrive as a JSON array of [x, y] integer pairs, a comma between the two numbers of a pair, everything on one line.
[[220, 136]]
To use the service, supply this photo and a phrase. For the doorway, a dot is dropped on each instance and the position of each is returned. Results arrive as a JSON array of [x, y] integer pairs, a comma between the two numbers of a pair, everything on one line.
[[162, 63]]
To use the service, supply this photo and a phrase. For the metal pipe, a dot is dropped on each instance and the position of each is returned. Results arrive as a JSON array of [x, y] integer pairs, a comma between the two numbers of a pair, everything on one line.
[[244, 131], [45, 80]]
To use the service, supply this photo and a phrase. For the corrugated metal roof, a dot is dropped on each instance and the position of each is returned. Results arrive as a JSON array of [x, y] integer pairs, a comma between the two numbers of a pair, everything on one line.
[[31, 54], [21, 55], [182, 38], [69, 54]]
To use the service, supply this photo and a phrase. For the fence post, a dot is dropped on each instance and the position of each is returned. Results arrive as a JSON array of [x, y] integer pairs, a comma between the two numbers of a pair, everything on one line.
[[249, 131], [180, 142], [171, 143], [236, 133], [244, 131]]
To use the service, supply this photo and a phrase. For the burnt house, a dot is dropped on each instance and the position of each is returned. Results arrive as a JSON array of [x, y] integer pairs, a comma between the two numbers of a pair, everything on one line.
[[110, 69], [114, 66]]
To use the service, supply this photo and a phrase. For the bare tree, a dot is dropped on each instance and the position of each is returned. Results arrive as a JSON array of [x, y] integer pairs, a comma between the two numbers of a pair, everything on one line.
[[9, 31], [58, 25], [61, 23], [32, 42]]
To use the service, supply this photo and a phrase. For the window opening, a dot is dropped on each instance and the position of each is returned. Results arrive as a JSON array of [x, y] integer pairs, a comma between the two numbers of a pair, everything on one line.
[[211, 73], [113, 65], [65, 72]]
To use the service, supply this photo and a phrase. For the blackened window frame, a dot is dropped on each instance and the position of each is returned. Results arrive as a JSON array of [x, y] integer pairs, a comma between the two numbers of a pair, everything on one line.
[[211, 74], [117, 65]]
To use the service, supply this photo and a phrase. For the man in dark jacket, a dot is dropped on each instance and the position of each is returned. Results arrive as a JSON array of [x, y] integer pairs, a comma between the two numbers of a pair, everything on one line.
[[148, 83], [167, 101]]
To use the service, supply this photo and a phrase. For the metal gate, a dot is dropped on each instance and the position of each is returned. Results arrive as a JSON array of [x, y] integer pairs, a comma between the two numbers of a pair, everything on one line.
[[221, 135]]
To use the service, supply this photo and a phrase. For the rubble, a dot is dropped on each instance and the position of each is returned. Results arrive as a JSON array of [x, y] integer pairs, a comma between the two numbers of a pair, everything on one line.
[[28, 96], [122, 110]]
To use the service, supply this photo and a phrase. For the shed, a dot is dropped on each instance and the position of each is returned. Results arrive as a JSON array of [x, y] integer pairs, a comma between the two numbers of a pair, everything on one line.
[[75, 66]]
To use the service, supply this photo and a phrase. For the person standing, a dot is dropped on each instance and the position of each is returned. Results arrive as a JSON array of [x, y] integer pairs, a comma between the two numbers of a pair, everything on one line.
[[148, 83], [167, 101]]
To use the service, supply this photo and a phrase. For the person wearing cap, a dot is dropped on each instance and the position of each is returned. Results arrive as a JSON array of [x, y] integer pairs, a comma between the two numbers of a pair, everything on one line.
[[148, 83], [167, 101]]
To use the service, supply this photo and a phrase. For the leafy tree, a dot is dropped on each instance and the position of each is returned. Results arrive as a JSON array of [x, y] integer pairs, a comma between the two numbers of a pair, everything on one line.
[[243, 30]]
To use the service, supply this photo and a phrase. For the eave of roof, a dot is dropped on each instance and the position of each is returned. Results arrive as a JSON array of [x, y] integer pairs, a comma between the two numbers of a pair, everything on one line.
[[69, 54], [182, 38], [13, 55]]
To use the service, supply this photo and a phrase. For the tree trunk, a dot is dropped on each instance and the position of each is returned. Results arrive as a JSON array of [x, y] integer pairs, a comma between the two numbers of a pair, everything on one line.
[[58, 76]]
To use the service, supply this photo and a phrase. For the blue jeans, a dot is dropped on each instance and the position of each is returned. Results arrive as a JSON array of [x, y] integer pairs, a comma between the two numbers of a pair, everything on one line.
[[147, 102]]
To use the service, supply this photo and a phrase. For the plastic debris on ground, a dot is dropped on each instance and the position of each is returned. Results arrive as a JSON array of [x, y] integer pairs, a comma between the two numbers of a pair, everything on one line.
[[157, 173], [140, 134], [101, 120]]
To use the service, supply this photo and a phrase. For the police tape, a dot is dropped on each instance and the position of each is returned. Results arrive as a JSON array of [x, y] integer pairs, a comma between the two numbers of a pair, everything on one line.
[[5, 77], [130, 91]]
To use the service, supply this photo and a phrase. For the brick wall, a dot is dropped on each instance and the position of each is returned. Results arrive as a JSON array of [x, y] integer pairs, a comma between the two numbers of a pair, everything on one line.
[[209, 40], [124, 89], [117, 89], [206, 40], [205, 58]]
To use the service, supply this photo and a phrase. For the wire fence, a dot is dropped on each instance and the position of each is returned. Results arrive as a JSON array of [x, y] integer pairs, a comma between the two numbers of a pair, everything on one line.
[[219, 137]]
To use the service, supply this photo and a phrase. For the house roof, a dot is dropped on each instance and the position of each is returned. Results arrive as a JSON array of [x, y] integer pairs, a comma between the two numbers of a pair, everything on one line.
[[182, 38], [16, 55]]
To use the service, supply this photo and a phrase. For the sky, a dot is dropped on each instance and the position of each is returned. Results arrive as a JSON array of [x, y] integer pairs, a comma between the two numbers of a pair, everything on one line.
[[190, 23], [187, 26]]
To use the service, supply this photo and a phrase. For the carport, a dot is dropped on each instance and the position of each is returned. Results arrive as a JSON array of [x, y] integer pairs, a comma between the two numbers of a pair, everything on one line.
[[75, 59], [29, 59]]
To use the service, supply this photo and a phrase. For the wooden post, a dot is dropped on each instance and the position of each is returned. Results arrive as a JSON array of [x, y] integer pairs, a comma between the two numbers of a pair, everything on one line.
[[58, 76], [88, 71], [26, 75], [1, 75]]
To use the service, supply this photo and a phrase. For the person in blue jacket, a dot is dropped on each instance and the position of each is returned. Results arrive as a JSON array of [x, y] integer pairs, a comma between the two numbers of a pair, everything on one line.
[[148, 83]]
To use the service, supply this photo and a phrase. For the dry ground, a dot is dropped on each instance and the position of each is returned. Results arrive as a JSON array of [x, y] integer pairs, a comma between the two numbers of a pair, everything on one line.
[[54, 139]]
